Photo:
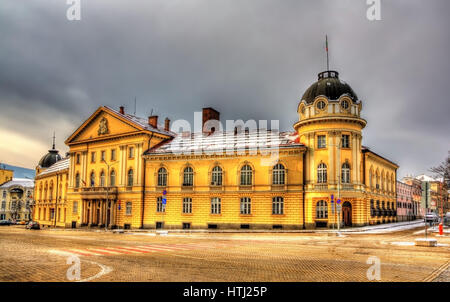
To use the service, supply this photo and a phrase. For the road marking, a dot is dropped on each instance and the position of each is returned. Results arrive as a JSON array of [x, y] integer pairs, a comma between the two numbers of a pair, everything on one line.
[[437, 272], [159, 248], [81, 252], [104, 251], [137, 250]]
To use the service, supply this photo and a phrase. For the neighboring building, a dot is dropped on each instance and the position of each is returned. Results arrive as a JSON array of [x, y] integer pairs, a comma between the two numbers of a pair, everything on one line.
[[438, 194], [5, 174], [129, 172], [416, 188], [16, 199], [405, 204]]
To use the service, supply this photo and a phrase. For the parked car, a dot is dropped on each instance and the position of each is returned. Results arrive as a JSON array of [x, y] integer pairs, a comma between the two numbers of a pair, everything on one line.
[[33, 225], [21, 222], [447, 219], [431, 217], [5, 222]]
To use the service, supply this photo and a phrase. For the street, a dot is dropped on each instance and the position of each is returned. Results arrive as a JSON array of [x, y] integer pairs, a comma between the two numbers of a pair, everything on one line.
[[42, 255]]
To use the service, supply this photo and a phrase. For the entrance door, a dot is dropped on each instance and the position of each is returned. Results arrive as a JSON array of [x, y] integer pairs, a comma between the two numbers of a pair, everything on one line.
[[347, 213]]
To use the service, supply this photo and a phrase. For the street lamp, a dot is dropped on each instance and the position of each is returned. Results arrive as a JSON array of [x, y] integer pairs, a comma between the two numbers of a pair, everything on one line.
[[338, 174]]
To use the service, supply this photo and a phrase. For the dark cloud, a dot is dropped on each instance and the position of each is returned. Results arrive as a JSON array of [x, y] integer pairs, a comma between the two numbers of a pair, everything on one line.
[[250, 59]]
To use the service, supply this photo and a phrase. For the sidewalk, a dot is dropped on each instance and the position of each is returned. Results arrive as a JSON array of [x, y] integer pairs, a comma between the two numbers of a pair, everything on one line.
[[375, 229]]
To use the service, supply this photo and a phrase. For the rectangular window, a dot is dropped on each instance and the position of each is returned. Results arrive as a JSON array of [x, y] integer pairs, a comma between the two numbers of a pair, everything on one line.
[[216, 205], [92, 157], [321, 141], [78, 159], [245, 205], [113, 154], [131, 152], [160, 207], [277, 206], [128, 208], [187, 205], [75, 207], [103, 156], [345, 141]]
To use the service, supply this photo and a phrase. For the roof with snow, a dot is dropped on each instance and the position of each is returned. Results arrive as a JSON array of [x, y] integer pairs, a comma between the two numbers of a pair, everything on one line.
[[22, 182], [142, 122], [194, 143], [424, 177], [56, 167]]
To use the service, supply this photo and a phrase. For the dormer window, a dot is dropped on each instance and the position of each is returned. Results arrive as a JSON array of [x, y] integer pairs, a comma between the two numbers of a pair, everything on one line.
[[345, 105], [321, 105]]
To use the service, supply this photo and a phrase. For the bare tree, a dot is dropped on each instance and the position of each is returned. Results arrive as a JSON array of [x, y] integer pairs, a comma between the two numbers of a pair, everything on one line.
[[443, 170]]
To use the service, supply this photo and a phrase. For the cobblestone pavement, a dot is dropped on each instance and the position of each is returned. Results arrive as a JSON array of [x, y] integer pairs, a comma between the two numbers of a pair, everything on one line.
[[41, 255]]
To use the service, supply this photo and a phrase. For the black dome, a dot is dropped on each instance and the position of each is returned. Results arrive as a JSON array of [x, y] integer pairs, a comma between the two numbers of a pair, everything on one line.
[[330, 86], [50, 158]]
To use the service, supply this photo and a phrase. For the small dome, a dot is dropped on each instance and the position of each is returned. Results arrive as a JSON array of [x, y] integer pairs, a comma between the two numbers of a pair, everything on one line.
[[50, 158], [330, 86]]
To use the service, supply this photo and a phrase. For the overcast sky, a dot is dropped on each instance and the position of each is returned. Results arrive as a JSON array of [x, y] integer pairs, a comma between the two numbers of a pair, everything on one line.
[[249, 59]]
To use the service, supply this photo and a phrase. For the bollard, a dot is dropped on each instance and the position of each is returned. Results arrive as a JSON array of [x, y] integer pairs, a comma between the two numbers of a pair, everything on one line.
[[441, 229]]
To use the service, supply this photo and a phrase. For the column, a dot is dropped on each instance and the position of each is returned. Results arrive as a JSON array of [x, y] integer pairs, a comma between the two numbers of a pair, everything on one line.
[[91, 213], [111, 215], [355, 165], [100, 220], [358, 158], [331, 154]]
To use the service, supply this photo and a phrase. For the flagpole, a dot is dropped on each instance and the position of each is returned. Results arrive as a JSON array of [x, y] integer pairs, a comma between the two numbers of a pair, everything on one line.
[[326, 47]]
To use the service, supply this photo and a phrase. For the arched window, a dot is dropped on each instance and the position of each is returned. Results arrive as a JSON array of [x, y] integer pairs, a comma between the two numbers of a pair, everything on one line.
[[92, 179], [246, 175], [102, 179], [130, 178], [216, 176], [322, 173], [278, 205], [77, 180], [162, 177], [321, 209], [50, 192], [345, 173], [112, 178], [188, 177], [278, 175]]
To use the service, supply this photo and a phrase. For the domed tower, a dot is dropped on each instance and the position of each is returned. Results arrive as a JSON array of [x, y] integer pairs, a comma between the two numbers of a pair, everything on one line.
[[49, 159], [330, 126]]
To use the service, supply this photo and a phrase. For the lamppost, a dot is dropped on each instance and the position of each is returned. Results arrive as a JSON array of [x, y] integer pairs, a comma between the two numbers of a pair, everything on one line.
[[107, 191], [338, 164]]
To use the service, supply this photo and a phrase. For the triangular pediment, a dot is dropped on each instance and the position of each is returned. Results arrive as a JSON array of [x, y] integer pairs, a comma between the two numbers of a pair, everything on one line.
[[103, 124]]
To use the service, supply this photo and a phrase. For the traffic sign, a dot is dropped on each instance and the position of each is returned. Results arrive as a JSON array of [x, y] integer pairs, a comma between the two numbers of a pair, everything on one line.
[[338, 201], [164, 200], [332, 197], [339, 207], [164, 192]]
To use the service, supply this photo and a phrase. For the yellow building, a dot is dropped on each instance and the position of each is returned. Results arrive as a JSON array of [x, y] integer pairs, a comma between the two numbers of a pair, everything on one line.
[[5, 174], [129, 172]]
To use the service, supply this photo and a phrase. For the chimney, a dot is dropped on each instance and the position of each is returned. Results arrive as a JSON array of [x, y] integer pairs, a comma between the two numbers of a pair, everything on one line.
[[166, 124], [209, 114], [153, 121], [122, 110]]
